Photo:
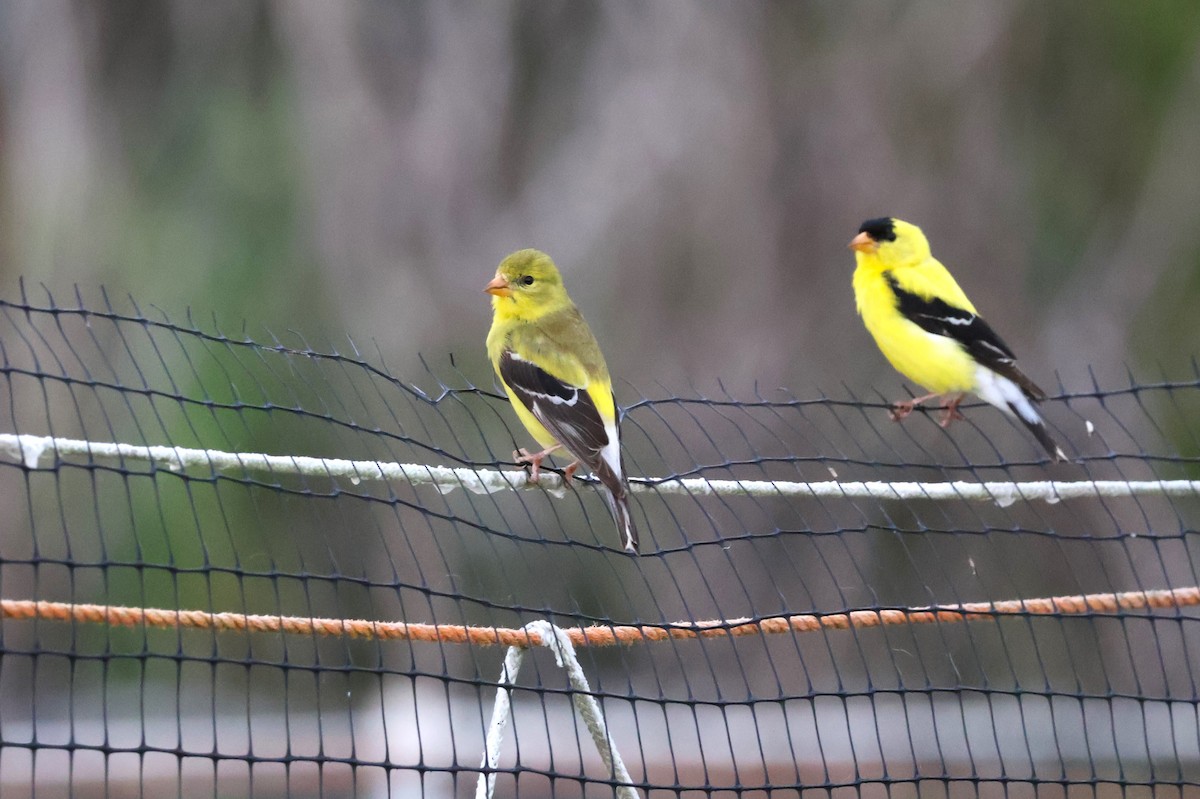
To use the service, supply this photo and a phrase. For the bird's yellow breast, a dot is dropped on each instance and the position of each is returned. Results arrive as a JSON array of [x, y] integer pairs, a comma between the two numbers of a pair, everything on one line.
[[936, 362], [536, 429], [561, 345]]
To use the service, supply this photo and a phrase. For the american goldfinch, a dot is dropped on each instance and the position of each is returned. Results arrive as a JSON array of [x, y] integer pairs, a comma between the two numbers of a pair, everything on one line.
[[928, 329], [554, 374]]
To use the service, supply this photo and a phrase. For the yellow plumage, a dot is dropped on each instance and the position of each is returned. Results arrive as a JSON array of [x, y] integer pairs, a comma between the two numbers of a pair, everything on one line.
[[930, 332], [938, 363], [555, 377]]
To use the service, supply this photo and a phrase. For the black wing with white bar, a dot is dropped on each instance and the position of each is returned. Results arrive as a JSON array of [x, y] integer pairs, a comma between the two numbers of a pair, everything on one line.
[[976, 336], [567, 411]]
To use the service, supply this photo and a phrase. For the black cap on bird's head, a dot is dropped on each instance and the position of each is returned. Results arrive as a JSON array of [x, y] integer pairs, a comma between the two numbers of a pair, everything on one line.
[[895, 241], [872, 233], [881, 229]]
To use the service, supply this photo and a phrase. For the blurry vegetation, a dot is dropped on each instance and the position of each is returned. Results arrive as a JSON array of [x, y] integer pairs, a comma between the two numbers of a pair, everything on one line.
[[362, 168], [1091, 96], [196, 197]]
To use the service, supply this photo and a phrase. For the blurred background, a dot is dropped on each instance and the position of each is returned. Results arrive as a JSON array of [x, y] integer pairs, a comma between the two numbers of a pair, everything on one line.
[[695, 168], [320, 170]]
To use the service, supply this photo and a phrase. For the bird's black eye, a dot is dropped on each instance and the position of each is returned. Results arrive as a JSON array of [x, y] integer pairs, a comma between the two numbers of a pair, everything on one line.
[[527, 280]]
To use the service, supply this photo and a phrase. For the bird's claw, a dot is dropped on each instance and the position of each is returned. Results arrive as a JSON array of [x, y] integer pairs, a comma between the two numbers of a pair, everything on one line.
[[949, 416], [951, 412], [532, 460], [569, 472], [900, 410]]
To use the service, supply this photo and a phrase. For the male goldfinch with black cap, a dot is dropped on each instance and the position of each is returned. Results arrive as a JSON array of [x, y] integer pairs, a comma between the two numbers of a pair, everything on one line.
[[928, 329]]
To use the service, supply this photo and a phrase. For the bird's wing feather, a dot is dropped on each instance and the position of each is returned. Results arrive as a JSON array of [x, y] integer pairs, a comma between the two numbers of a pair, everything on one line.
[[934, 315], [567, 411]]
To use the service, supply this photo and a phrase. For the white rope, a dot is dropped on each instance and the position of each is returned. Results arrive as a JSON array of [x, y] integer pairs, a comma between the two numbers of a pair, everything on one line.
[[557, 641], [500, 712], [33, 451]]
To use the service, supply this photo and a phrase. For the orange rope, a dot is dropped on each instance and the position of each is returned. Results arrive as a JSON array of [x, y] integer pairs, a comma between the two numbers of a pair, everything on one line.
[[598, 635]]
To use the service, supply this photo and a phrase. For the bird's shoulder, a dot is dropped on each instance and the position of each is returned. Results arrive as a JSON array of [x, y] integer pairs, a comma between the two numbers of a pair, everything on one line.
[[561, 344], [931, 280], [956, 319]]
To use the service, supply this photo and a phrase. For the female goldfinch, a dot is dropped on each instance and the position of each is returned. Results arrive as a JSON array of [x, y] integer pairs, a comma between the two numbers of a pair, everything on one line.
[[554, 374], [930, 331]]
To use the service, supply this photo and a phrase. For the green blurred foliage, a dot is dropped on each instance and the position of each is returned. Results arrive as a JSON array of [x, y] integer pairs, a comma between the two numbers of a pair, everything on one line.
[[1092, 88]]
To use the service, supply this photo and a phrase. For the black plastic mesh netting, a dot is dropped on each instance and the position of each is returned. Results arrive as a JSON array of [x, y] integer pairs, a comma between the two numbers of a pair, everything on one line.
[[1021, 704]]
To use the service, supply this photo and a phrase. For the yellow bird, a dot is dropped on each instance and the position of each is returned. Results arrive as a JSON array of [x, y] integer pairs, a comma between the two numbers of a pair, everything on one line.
[[928, 329], [554, 374]]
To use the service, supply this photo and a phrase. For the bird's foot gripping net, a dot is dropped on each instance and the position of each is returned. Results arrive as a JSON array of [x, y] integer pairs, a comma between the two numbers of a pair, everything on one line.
[[238, 565]]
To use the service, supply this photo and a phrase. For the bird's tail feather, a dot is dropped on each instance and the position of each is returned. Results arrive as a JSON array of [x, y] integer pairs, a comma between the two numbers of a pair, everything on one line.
[[1038, 428], [618, 503], [1014, 400], [1023, 409], [616, 494]]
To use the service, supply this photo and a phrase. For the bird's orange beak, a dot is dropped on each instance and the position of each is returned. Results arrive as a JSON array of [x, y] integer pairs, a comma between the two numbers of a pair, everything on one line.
[[498, 287], [863, 243]]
